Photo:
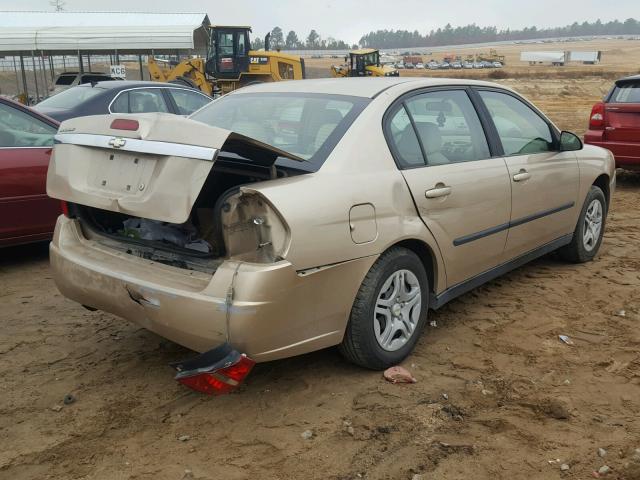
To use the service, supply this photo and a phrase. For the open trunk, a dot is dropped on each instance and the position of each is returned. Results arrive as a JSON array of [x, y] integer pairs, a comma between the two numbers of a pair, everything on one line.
[[168, 189]]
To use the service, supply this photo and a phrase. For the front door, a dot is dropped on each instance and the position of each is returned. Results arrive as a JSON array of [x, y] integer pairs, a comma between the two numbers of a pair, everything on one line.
[[462, 194], [544, 181], [26, 213]]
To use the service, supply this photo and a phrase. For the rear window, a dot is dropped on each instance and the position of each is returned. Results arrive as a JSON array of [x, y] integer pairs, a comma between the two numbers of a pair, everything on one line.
[[72, 97], [65, 79], [626, 93], [306, 125]]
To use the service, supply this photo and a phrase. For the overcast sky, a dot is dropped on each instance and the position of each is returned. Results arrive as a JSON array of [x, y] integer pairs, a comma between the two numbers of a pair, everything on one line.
[[350, 19]]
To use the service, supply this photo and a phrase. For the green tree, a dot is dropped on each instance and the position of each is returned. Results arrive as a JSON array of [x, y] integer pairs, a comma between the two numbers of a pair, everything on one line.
[[313, 40], [292, 40], [277, 38], [257, 43]]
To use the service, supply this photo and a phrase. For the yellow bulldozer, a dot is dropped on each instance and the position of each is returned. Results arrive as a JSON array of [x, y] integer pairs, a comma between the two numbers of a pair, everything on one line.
[[230, 64], [363, 63]]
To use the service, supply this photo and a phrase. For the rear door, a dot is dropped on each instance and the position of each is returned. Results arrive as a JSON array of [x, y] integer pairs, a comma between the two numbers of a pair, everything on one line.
[[26, 213], [622, 113], [544, 181], [463, 195]]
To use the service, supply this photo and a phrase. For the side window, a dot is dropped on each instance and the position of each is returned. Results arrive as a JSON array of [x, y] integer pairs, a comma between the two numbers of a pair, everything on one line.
[[121, 104], [403, 139], [285, 70], [226, 44], [448, 127], [241, 45], [187, 100], [144, 100], [19, 129], [521, 130]]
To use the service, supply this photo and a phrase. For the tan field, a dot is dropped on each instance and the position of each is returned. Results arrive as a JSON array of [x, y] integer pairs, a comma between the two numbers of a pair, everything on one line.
[[499, 396]]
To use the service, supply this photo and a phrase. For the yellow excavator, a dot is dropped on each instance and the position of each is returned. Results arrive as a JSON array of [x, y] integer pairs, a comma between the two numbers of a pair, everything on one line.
[[363, 63], [230, 64]]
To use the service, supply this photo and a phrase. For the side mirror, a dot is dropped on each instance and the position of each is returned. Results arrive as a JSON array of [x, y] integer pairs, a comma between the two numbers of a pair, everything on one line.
[[570, 142]]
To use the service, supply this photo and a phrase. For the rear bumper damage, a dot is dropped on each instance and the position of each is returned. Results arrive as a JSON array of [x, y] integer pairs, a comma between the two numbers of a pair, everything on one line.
[[268, 311]]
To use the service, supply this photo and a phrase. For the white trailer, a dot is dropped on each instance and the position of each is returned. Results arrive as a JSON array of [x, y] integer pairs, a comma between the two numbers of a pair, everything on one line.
[[555, 58], [588, 58]]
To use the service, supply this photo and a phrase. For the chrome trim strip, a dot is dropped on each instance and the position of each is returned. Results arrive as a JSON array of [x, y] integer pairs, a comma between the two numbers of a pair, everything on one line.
[[138, 146], [512, 224]]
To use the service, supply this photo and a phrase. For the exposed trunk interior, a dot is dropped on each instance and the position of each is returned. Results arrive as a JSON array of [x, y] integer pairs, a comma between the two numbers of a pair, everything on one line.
[[198, 244]]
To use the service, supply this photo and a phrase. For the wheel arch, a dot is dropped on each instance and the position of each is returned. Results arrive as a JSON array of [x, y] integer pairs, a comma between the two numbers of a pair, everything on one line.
[[603, 183], [428, 258]]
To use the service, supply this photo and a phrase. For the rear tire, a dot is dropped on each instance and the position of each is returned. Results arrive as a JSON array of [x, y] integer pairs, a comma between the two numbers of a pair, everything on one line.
[[589, 231], [389, 312]]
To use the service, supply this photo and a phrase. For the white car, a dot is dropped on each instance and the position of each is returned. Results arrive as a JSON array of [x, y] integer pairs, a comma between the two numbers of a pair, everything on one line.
[[420, 66]]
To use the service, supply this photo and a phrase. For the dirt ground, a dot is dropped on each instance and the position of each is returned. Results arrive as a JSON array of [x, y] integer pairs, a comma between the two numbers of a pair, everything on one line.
[[498, 394]]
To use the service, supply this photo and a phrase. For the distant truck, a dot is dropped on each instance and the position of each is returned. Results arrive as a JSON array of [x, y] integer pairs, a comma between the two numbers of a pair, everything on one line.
[[560, 58], [412, 59], [587, 58], [557, 58]]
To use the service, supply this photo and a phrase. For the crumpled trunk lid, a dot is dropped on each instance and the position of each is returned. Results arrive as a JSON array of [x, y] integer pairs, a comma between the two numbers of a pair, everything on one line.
[[154, 171]]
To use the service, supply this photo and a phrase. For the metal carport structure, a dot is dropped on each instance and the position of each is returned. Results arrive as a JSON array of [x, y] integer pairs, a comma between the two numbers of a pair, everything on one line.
[[40, 34]]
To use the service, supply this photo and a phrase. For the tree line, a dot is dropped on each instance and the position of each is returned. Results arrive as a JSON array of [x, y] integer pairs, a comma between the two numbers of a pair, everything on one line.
[[313, 41], [474, 34]]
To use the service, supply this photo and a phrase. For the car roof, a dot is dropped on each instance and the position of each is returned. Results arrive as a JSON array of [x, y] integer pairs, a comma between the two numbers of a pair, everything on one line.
[[631, 79], [366, 87], [122, 84]]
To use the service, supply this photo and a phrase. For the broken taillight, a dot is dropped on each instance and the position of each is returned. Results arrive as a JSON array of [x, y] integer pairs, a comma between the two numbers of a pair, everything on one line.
[[65, 208], [216, 372], [125, 124], [219, 382], [596, 121]]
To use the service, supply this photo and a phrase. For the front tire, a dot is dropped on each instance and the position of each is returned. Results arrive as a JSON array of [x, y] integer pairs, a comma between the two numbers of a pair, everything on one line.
[[589, 231], [389, 312]]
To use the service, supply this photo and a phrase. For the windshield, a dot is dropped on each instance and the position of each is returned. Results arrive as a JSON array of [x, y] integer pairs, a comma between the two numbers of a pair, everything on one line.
[[70, 98], [306, 125]]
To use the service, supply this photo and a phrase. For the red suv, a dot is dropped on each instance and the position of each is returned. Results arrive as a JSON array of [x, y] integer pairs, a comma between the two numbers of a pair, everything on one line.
[[615, 123]]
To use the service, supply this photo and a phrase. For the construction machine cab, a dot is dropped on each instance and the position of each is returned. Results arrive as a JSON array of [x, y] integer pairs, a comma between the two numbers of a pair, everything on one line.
[[361, 59], [228, 54]]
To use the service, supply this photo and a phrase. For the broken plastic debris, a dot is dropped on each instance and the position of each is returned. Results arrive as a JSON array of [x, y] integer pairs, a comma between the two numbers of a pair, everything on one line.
[[433, 323], [565, 339], [399, 375]]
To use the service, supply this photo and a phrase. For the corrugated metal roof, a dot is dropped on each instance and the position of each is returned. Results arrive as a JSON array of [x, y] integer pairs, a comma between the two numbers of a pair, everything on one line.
[[99, 31]]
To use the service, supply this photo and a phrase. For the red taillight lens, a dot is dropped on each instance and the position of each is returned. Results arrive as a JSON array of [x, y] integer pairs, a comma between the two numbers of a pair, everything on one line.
[[125, 124], [596, 121], [221, 381], [65, 208]]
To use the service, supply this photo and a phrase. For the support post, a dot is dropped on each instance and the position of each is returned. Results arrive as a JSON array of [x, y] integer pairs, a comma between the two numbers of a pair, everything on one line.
[[35, 75], [80, 65], [24, 80], [141, 70]]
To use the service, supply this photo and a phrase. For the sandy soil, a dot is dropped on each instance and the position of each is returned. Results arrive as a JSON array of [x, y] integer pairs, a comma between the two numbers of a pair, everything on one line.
[[498, 394]]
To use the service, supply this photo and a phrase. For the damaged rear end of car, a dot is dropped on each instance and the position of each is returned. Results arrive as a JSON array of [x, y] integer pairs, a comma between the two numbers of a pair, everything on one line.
[[159, 217]]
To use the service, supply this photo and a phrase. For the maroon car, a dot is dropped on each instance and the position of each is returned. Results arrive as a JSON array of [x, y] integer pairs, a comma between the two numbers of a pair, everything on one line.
[[26, 137], [615, 123]]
